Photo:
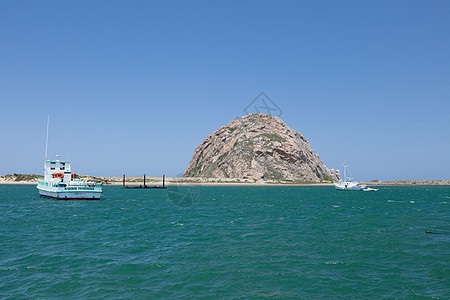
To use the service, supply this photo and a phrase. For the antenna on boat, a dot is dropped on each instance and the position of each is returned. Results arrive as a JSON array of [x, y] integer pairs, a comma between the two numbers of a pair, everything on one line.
[[46, 140], [345, 171]]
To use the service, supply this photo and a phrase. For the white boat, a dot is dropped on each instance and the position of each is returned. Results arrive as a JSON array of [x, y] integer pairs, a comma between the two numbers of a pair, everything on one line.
[[348, 185], [60, 183]]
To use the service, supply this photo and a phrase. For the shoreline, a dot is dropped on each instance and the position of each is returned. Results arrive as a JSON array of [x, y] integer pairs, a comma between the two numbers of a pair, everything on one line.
[[180, 181]]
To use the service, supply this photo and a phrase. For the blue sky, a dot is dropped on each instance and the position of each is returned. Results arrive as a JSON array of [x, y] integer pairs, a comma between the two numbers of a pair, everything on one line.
[[134, 86]]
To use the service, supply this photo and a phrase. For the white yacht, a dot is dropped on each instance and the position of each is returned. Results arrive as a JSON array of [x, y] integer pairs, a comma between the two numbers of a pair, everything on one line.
[[60, 183], [348, 185]]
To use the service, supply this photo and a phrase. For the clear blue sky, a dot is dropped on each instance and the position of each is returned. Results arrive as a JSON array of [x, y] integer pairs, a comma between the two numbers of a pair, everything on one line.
[[135, 86]]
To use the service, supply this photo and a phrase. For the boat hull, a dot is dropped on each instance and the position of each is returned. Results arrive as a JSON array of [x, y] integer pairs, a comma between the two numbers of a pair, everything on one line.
[[70, 195], [349, 187]]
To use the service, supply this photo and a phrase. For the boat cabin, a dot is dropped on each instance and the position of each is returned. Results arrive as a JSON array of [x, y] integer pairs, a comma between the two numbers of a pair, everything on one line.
[[58, 169]]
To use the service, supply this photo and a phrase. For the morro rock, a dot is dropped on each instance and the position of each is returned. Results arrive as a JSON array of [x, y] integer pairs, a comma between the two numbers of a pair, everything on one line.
[[257, 146]]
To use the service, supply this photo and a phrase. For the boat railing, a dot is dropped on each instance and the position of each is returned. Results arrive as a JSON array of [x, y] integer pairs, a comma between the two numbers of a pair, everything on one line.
[[95, 185], [42, 182]]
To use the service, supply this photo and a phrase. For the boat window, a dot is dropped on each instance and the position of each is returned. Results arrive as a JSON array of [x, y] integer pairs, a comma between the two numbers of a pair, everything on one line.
[[52, 168], [52, 162], [62, 168]]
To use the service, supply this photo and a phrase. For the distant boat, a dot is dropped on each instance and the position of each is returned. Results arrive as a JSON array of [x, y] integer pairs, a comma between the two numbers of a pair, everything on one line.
[[348, 185], [60, 183]]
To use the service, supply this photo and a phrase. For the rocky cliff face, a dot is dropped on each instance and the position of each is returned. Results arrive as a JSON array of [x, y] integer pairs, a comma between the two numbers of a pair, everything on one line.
[[257, 146]]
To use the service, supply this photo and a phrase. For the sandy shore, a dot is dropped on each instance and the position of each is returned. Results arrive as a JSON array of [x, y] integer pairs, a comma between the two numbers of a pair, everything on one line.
[[223, 184], [407, 182], [157, 181], [18, 182]]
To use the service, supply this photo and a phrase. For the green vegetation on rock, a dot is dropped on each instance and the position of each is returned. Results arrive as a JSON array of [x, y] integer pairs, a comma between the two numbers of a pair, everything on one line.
[[328, 178], [273, 137]]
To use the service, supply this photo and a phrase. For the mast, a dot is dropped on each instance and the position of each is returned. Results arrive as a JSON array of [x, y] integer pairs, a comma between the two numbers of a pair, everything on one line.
[[46, 141], [345, 172]]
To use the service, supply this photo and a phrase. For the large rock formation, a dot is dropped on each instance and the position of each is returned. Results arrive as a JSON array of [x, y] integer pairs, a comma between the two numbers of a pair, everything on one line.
[[257, 146]]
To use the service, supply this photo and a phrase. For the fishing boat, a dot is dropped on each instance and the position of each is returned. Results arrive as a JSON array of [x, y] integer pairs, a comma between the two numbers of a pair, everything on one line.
[[60, 183], [348, 185]]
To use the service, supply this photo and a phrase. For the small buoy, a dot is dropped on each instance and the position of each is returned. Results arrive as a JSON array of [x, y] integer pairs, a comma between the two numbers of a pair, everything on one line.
[[443, 233]]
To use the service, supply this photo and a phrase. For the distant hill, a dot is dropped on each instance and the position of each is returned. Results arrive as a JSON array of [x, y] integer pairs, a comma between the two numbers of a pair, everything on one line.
[[258, 146]]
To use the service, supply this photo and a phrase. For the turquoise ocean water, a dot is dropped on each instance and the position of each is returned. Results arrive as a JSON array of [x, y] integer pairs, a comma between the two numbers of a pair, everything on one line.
[[226, 243]]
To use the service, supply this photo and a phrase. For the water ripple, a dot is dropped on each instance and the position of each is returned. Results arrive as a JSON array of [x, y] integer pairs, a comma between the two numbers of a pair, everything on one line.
[[233, 242]]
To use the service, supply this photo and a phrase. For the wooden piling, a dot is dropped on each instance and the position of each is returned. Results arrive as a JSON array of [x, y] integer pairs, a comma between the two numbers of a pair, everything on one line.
[[124, 186]]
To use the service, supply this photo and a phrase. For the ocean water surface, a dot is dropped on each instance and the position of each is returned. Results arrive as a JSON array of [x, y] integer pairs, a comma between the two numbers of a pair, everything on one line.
[[227, 243]]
